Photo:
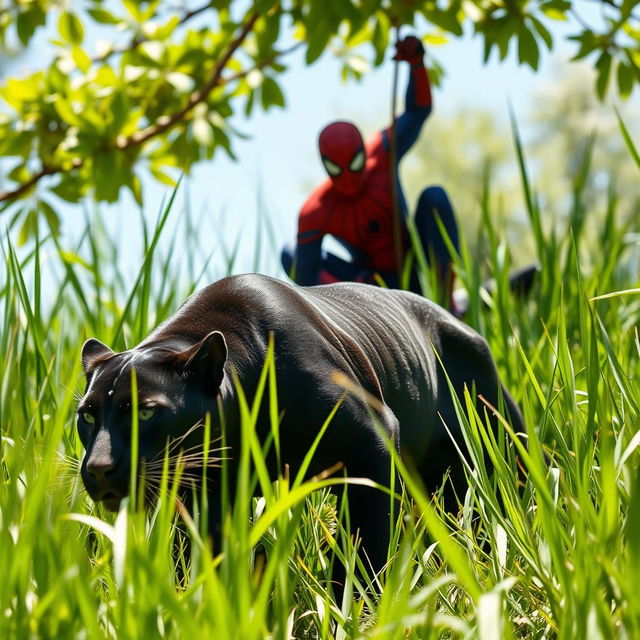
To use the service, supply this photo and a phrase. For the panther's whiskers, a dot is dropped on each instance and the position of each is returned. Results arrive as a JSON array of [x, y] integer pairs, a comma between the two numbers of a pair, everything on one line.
[[190, 482], [191, 461], [175, 442], [188, 476], [67, 469], [197, 450], [68, 460]]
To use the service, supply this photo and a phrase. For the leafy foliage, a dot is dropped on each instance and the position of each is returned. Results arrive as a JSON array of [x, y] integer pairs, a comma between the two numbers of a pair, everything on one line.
[[162, 94]]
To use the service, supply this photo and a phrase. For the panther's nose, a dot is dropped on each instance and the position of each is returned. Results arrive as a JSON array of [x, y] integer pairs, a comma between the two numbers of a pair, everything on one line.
[[100, 467], [101, 459]]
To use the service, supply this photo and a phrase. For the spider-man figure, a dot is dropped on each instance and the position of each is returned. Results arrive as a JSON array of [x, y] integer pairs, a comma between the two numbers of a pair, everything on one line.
[[354, 204]]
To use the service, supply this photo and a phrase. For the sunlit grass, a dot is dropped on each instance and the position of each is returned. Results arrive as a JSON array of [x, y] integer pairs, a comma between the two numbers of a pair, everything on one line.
[[555, 555]]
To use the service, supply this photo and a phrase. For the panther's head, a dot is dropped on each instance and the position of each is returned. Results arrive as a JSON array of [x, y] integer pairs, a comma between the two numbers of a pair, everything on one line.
[[176, 388]]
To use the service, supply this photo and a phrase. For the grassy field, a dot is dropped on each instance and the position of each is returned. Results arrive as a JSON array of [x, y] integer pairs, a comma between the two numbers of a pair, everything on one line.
[[558, 558]]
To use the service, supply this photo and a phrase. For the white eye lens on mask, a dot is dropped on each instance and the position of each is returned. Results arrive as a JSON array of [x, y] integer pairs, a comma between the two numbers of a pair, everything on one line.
[[357, 164], [332, 168]]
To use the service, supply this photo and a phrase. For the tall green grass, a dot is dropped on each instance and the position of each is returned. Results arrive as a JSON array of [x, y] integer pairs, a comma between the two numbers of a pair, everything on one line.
[[557, 556]]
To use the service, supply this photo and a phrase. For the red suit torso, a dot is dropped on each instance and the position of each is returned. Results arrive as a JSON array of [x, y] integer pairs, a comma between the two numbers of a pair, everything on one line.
[[363, 220]]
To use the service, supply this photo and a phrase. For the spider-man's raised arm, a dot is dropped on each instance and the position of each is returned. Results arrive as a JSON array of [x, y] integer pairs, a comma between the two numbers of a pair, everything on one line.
[[418, 98]]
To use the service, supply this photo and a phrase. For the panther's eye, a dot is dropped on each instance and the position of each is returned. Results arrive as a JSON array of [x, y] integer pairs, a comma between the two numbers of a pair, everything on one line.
[[332, 168], [88, 418], [357, 164], [145, 414]]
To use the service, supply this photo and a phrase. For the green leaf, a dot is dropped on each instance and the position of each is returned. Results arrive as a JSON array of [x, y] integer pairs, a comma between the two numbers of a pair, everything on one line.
[[543, 31], [103, 16], [497, 32], [165, 31], [70, 257], [81, 58], [19, 174], [380, 37], [556, 9], [154, 50], [603, 67], [271, 94], [267, 30], [17, 144], [133, 8], [119, 109], [106, 177], [448, 20], [28, 228], [436, 72], [70, 27], [263, 6], [248, 106], [202, 132], [135, 186], [222, 139], [631, 31], [317, 39], [588, 42], [180, 81], [19, 90], [625, 79], [527, 47], [27, 22], [50, 215], [435, 39], [161, 176], [70, 188], [63, 107]]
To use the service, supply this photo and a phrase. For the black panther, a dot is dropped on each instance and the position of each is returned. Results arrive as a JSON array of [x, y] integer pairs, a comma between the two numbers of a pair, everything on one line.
[[383, 341]]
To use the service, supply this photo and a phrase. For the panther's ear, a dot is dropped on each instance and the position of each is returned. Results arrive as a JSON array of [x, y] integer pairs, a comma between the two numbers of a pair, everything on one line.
[[92, 352], [207, 362]]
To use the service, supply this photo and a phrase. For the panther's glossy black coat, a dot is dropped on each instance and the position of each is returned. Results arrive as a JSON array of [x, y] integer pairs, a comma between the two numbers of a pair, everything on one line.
[[382, 340]]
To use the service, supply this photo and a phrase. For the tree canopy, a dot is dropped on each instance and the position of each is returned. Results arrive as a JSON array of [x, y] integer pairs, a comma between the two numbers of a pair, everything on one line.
[[161, 95]]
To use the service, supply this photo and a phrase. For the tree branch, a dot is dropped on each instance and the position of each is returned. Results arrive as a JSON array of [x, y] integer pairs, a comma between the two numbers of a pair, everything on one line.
[[136, 42], [164, 122], [200, 95], [25, 186], [261, 64]]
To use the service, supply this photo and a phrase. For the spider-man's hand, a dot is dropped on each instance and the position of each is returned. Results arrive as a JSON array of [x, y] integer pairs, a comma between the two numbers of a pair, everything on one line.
[[409, 49]]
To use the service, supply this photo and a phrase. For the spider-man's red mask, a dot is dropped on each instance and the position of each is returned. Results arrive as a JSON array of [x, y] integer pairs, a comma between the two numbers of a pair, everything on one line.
[[343, 156]]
